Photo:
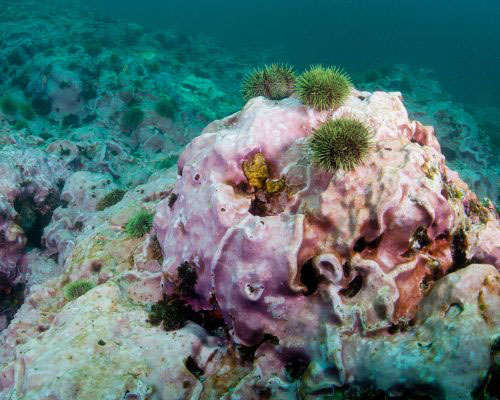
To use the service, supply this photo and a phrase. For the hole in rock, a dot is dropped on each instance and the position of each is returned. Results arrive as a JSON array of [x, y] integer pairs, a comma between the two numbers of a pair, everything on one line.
[[32, 220], [173, 313], [309, 278], [247, 353], [296, 366], [258, 208], [458, 251], [78, 226], [454, 310], [362, 244], [418, 240], [347, 268], [193, 367], [96, 266], [353, 288], [11, 298]]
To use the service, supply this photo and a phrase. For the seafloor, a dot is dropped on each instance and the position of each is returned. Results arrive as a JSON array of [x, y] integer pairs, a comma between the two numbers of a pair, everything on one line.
[[377, 283]]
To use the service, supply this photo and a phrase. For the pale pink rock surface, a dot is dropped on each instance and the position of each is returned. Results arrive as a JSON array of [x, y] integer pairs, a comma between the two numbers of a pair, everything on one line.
[[102, 347], [80, 195], [345, 278], [30, 187], [348, 252]]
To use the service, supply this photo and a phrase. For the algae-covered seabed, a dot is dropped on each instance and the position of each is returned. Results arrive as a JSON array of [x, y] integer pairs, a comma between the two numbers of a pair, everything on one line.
[[100, 106]]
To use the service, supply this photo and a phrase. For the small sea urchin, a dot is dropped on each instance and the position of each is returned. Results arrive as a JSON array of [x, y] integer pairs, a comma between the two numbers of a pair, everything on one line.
[[110, 199], [274, 81], [139, 224], [323, 88], [342, 144], [77, 288]]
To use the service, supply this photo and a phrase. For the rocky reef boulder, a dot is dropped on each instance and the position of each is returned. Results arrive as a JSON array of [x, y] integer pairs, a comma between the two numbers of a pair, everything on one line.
[[265, 277], [333, 262], [30, 187]]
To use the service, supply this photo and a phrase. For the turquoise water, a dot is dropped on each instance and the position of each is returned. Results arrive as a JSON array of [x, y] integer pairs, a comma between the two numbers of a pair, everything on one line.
[[458, 40], [98, 101]]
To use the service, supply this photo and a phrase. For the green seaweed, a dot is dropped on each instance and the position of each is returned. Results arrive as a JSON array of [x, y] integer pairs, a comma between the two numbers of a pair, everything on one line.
[[132, 118], [8, 105], [166, 107]]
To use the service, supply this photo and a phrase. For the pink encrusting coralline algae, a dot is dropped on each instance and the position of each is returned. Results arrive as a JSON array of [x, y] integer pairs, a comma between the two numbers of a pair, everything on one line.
[[265, 277], [336, 263]]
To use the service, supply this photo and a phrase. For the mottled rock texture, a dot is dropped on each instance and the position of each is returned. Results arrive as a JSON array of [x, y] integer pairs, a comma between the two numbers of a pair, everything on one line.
[[385, 277], [330, 257]]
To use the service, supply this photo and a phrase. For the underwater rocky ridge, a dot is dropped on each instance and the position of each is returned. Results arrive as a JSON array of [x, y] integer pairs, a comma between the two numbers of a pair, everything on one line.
[[181, 222]]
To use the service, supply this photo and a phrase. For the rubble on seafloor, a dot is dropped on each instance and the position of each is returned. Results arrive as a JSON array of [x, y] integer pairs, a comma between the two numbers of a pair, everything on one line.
[[377, 278], [260, 275]]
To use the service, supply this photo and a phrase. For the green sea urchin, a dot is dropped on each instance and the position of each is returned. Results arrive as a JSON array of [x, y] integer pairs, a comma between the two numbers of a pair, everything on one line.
[[139, 224], [110, 199], [77, 288], [341, 144], [323, 88], [275, 82]]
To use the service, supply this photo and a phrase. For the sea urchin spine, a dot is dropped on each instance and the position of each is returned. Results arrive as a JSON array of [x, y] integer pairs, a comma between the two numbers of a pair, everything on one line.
[[323, 88], [340, 144], [275, 82]]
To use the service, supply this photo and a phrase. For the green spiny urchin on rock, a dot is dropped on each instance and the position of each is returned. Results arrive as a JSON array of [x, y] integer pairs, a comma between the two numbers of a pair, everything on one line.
[[340, 144], [323, 88], [77, 288], [275, 81], [139, 224], [110, 199]]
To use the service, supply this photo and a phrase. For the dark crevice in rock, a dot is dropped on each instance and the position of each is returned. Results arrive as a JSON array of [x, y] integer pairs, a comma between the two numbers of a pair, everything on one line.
[[296, 366], [247, 353], [11, 298], [489, 388], [173, 313], [369, 392], [33, 219], [458, 251], [187, 278], [353, 287], [362, 244], [193, 367], [258, 208], [418, 241], [309, 278]]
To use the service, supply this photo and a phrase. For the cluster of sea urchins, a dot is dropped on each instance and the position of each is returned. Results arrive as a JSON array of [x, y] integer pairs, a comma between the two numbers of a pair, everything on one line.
[[340, 144]]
